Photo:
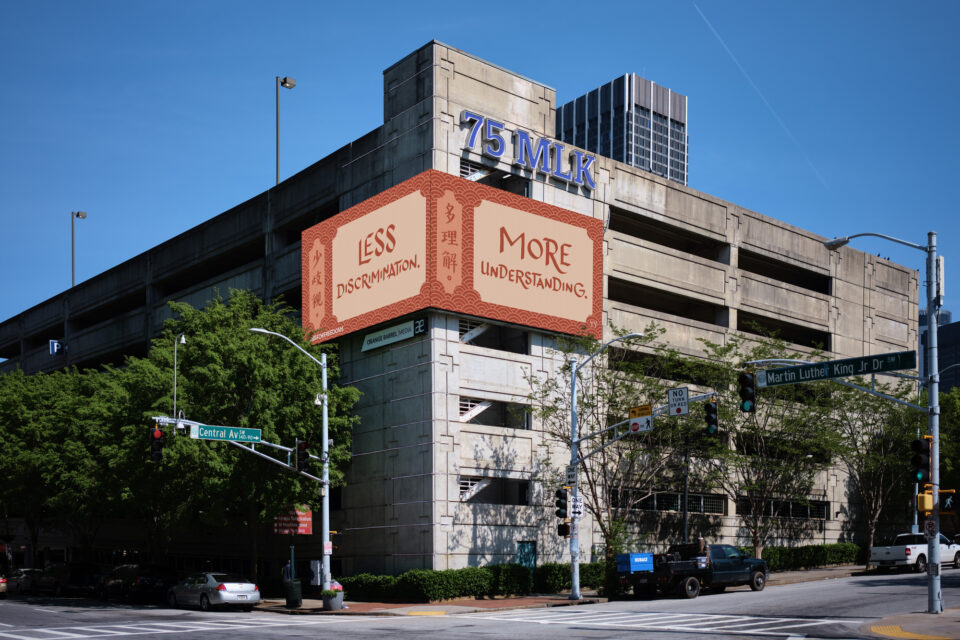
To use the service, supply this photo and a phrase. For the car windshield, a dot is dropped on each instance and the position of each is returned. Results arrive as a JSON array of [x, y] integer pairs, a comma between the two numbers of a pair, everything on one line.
[[229, 577]]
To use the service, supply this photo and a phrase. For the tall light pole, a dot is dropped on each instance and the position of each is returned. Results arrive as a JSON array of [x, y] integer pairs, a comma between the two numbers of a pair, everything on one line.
[[324, 455], [181, 339], [575, 462], [287, 83], [934, 596], [74, 215]]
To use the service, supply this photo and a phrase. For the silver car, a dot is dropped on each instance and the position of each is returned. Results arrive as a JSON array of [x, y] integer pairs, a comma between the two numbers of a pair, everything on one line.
[[22, 580], [213, 589]]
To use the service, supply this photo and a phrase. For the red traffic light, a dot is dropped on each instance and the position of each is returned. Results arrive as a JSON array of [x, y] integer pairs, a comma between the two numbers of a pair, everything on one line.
[[156, 434]]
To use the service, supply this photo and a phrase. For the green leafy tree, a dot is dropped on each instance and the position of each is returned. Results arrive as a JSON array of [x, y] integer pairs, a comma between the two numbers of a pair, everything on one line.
[[874, 436], [768, 460], [27, 458], [616, 476], [232, 377]]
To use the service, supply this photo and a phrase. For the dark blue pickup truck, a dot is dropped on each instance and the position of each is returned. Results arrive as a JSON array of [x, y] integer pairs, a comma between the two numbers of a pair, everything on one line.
[[686, 568]]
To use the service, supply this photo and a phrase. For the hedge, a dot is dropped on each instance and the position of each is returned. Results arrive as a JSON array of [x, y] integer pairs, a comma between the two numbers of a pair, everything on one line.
[[423, 585], [815, 555]]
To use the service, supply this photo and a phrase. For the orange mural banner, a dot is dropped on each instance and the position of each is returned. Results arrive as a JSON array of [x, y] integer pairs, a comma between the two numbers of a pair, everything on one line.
[[439, 241]]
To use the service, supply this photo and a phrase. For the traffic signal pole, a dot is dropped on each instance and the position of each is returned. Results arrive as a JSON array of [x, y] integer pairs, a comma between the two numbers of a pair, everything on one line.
[[575, 462], [934, 595]]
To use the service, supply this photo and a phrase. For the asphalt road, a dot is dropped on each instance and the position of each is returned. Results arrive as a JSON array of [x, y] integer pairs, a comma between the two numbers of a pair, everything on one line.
[[838, 608]]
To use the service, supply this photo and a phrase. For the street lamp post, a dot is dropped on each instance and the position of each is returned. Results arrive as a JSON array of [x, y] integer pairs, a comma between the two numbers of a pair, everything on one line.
[[575, 461], [324, 455], [181, 339], [287, 83], [74, 215], [934, 596]]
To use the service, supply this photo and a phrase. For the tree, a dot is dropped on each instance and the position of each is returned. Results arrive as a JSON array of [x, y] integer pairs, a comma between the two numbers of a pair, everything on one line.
[[769, 460], [26, 455], [875, 434], [615, 477], [232, 377]]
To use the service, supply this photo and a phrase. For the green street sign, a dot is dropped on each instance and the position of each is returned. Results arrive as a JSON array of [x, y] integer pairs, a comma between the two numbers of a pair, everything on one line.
[[837, 369], [235, 434]]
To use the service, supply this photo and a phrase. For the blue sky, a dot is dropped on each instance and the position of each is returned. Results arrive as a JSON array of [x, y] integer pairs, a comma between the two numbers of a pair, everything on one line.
[[837, 117]]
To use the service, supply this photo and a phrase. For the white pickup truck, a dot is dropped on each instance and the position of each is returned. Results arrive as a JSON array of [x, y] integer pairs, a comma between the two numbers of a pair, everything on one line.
[[910, 550]]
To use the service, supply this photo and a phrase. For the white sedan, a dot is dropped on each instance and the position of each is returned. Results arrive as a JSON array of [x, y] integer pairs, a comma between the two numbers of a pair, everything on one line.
[[213, 589]]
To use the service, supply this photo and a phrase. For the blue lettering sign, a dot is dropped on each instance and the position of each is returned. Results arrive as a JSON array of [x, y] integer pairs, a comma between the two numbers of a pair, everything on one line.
[[539, 161], [545, 156]]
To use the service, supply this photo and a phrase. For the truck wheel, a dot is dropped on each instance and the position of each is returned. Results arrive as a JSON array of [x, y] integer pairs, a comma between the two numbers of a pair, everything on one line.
[[758, 581], [689, 587], [956, 561], [921, 564]]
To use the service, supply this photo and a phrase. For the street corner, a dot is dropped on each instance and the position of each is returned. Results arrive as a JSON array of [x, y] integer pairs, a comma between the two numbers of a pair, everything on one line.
[[917, 626]]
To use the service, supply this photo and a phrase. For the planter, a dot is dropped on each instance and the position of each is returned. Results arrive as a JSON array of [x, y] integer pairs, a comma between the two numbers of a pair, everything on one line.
[[333, 603]]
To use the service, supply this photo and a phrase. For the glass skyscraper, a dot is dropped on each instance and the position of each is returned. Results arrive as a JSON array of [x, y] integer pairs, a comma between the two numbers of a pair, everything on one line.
[[634, 121]]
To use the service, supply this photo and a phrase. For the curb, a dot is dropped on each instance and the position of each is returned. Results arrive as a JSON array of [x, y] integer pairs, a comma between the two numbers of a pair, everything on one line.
[[427, 608]]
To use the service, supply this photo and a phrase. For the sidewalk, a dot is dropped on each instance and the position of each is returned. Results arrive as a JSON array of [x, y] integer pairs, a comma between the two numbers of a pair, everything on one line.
[[910, 626], [312, 606]]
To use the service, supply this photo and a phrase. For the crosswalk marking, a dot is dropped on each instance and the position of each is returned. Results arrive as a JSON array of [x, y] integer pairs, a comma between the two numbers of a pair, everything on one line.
[[161, 627], [662, 621]]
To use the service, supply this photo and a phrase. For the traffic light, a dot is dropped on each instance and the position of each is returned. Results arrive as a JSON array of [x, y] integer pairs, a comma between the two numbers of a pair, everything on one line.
[[562, 503], [710, 409], [921, 460], [156, 445], [336, 539], [563, 530], [925, 502], [748, 391], [302, 456]]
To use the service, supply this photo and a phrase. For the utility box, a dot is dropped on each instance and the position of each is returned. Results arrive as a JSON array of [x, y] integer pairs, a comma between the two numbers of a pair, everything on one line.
[[634, 562]]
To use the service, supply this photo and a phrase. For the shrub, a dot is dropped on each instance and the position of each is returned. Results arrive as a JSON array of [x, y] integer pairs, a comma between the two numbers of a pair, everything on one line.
[[510, 579], [552, 577], [809, 556], [591, 574], [370, 588]]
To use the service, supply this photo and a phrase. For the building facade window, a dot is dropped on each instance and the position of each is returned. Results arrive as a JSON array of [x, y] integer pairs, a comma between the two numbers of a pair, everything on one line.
[[803, 510], [506, 491]]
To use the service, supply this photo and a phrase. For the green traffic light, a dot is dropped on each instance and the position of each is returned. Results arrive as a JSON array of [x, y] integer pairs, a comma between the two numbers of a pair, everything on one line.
[[746, 405]]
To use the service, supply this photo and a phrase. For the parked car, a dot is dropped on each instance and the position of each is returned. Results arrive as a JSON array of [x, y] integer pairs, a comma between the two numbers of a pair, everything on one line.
[[3, 586], [909, 550], [22, 580], [212, 589], [137, 582], [68, 577]]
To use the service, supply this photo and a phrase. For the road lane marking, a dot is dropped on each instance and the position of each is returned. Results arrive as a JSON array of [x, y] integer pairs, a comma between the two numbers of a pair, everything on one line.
[[700, 623]]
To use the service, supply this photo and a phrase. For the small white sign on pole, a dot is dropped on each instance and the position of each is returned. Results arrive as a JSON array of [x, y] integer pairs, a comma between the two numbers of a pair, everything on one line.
[[576, 507], [571, 475], [641, 418], [679, 401]]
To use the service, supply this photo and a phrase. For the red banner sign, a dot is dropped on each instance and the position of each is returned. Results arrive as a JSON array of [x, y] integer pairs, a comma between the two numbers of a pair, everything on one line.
[[440, 241], [294, 522]]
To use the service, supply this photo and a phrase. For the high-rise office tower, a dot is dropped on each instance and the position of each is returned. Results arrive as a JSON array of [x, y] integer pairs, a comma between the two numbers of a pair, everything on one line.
[[631, 120]]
